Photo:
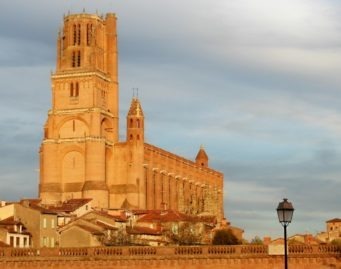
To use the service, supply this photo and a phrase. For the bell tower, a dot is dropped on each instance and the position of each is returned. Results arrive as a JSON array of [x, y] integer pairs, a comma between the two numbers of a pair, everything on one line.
[[82, 124], [135, 142]]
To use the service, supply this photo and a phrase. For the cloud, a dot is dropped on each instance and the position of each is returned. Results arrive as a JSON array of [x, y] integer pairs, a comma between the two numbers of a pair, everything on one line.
[[256, 82]]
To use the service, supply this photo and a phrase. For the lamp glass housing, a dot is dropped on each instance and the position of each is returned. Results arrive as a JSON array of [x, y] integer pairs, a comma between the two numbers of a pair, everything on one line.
[[285, 212]]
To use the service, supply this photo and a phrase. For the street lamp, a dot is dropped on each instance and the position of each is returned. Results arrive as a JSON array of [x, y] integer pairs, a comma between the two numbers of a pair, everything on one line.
[[285, 211]]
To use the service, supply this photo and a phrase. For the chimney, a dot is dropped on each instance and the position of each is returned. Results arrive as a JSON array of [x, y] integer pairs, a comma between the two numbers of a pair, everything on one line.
[[266, 240]]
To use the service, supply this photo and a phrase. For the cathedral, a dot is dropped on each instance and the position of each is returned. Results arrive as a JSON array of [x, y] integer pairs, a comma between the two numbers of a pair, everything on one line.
[[81, 155]]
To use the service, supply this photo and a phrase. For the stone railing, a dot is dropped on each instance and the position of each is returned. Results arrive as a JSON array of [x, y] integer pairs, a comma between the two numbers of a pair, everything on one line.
[[175, 251], [314, 249]]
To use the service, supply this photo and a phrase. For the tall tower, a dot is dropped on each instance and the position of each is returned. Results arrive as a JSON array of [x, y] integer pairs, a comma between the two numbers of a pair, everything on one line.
[[135, 142], [82, 125]]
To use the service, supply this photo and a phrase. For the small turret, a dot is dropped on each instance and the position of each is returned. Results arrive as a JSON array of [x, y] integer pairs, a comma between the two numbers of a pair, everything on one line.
[[135, 195], [135, 121], [202, 158]]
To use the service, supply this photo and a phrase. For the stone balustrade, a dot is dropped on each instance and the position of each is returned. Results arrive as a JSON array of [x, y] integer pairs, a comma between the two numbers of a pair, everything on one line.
[[175, 257], [174, 251], [314, 249]]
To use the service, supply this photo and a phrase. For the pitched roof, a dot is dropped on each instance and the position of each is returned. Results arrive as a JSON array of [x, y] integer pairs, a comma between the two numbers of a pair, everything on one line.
[[201, 154], [162, 216], [9, 221], [135, 108], [105, 226], [3, 244], [173, 216], [333, 220], [118, 218], [70, 205], [35, 204], [143, 230], [87, 228]]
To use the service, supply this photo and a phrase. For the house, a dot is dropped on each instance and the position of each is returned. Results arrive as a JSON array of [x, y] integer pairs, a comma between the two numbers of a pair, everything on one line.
[[13, 233], [333, 231], [95, 228], [40, 222], [140, 235], [307, 239], [175, 227], [70, 209], [32, 225]]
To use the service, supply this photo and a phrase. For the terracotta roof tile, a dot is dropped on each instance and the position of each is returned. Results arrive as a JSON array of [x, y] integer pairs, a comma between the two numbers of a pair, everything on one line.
[[105, 225], [143, 230], [334, 220], [173, 216], [118, 218], [70, 205], [10, 221], [3, 244], [43, 210], [201, 154]]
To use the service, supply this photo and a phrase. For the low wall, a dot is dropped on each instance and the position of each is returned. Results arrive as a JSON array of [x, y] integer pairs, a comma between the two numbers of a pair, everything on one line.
[[189, 257]]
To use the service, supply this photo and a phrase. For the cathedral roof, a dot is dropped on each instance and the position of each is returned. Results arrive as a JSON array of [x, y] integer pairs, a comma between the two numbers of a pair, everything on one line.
[[135, 108]]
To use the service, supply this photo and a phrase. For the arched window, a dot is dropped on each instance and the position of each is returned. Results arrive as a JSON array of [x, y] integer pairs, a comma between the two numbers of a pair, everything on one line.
[[138, 123], [138, 137], [131, 137], [131, 123]]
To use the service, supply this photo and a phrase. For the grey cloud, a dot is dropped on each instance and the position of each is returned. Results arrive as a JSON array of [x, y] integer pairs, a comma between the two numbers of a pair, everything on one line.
[[261, 96]]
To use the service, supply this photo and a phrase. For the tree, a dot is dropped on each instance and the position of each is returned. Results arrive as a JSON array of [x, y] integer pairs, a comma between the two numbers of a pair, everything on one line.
[[225, 237], [256, 241], [336, 242], [186, 235]]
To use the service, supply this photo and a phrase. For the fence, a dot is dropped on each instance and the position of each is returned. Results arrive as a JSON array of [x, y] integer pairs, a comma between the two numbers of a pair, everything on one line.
[[175, 251]]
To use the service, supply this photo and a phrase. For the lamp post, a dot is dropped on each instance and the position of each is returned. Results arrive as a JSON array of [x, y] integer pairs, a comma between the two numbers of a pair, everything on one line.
[[285, 212]]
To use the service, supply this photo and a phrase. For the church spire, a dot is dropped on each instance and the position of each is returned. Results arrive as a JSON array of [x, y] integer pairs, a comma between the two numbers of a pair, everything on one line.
[[135, 121], [202, 158]]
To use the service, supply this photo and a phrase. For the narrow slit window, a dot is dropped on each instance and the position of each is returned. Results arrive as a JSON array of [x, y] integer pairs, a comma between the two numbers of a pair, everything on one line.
[[79, 35], [71, 89], [73, 62], [78, 58], [88, 34], [74, 34], [77, 89]]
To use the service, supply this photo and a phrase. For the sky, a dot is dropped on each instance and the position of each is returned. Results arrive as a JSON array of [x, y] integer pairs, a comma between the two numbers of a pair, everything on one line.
[[257, 83]]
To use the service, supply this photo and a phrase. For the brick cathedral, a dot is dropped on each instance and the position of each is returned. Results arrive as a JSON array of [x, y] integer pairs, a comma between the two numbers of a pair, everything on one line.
[[81, 155]]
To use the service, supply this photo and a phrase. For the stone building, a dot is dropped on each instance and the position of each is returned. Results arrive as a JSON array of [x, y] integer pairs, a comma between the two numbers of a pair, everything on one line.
[[14, 233], [81, 155], [333, 231]]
